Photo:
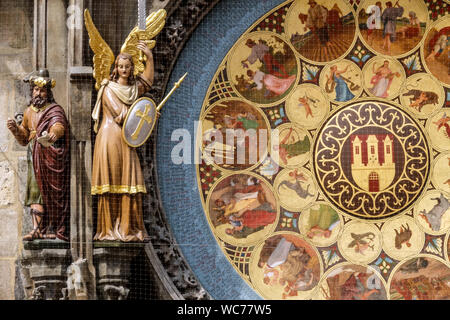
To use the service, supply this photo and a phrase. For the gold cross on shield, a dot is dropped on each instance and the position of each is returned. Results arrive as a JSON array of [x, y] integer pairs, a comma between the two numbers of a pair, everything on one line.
[[144, 117]]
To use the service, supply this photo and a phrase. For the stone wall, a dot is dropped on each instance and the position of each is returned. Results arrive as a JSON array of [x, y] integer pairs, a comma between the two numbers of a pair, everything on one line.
[[16, 46], [17, 27]]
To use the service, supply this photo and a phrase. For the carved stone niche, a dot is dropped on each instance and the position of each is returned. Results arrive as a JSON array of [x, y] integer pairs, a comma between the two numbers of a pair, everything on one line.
[[112, 262], [45, 262]]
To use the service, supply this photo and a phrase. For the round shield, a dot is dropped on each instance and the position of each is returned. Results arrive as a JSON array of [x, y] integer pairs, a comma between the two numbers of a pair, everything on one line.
[[139, 123]]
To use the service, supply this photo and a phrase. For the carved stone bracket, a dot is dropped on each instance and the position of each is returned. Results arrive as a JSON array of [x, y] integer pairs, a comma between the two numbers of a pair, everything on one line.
[[45, 263], [79, 281], [112, 264]]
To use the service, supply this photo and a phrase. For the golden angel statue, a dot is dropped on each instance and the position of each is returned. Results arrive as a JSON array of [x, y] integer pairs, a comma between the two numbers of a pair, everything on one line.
[[117, 177]]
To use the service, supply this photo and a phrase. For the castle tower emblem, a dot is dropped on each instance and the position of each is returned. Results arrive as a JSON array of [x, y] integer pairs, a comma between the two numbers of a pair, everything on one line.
[[373, 162], [371, 159]]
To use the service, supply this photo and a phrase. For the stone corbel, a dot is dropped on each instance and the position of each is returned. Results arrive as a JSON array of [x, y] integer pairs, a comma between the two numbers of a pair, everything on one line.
[[79, 279], [45, 266], [112, 264]]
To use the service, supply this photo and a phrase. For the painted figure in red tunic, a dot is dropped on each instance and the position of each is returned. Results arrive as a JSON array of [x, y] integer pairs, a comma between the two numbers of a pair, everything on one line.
[[245, 207], [45, 130]]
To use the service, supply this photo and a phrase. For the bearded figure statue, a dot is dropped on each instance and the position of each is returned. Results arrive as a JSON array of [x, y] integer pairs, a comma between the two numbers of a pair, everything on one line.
[[45, 132]]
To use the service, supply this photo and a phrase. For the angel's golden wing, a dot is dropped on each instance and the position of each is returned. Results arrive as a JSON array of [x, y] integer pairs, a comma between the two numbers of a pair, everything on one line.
[[103, 55], [154, 24]]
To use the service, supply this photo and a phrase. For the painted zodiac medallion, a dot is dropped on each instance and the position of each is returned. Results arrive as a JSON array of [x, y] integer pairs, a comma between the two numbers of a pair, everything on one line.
[[371, 160], [321, 31], [360, 242], [295, 188], [432, 212], [438, 128], [422, 95], [392, 28], [342, 81], [321, 224], [383, 77], [352, 282], [285, 266], [235, 135], [263, 68], [242, 209], [422, 278], [402, 238], [307, 106], [435, 49], [291, 145], [441, 172]]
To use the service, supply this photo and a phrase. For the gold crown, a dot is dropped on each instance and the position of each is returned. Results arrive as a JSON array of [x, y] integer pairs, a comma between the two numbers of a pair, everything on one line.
[[41, 82]]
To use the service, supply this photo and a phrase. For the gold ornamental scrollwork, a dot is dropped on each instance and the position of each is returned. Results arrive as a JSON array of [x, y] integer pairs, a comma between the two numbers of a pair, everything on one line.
[[371, 160]]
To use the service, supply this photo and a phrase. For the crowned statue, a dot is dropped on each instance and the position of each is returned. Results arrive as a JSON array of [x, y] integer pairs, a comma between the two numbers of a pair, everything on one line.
[[45, 131]]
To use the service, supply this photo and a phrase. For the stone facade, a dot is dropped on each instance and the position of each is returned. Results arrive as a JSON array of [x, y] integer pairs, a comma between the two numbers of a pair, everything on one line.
[[16, 49]]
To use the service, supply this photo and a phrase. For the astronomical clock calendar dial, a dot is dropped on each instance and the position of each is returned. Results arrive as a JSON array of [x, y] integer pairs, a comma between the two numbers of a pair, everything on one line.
[[350, 199]]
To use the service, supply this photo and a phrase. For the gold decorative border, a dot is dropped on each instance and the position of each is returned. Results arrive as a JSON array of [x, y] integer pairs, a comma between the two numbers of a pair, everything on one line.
[[119, 189]]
